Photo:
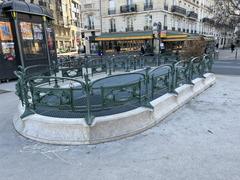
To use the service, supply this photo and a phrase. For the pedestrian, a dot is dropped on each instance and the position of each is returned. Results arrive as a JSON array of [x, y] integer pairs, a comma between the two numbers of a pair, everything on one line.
[[232, 47], [142, 51], [118, 48], [217, 46]]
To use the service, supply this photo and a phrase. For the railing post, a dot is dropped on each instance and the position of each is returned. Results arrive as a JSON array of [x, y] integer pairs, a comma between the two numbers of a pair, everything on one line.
[[110, 66], [174, 78], [128, 64], [24, 91], [147, 99], [89, 117], [71, 96], [236, 54], [134, 62]]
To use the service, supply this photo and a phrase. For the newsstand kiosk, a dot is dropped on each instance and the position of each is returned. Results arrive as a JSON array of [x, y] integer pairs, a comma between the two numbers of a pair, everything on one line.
[[26, 37]]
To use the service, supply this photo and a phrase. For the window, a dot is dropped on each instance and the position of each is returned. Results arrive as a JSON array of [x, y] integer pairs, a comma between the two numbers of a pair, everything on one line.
[[129, 2], [179, 24], [148, 20], [90, 20], [112, 4], [112, 25], [112, 7], [165, 21], [148, 2], [129, 24]]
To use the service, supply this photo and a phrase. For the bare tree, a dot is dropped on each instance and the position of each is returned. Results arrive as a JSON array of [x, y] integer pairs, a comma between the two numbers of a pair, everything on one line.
[[193, 48], [227, 12]]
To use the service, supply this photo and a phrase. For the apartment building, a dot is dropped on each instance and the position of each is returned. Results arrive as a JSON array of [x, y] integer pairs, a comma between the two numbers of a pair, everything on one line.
[[66, 15], [83, 22], [185, 16], [91, 24]]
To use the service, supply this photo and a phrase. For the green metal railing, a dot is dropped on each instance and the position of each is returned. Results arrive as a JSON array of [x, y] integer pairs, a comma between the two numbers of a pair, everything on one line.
[[46, 92]]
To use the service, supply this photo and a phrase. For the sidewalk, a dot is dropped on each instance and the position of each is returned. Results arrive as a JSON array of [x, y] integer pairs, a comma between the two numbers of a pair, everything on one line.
[[227, 54], [199, 141]]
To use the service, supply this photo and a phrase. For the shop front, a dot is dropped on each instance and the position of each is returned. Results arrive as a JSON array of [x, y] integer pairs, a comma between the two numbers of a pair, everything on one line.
[[126, 42], [173, 40], [176, 41]]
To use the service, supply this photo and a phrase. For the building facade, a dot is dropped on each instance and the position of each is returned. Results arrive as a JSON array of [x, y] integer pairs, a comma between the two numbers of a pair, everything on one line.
[[91, 25], [79, 22], [66, 15], [188, 16]]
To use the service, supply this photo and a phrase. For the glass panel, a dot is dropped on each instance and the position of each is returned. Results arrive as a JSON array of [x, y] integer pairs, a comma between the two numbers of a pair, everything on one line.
[[8, 50], [32, 40]]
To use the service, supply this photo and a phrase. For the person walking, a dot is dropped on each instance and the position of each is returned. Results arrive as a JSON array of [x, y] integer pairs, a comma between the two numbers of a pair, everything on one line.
[[232, 47], [142, 51]]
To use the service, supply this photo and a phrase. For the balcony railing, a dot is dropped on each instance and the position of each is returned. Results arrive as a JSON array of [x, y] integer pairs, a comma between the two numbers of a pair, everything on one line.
[[129, 29], [148, 6], [111, 11], [207, 20], [112, 30], [42, 3], [179, 10], [128, 8], [165, 7], [192, 15], [148, 28], [89, 27]]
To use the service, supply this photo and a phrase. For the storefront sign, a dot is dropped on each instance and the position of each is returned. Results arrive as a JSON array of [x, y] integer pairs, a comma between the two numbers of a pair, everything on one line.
[[163, 34], [26, 30], [5, 31]]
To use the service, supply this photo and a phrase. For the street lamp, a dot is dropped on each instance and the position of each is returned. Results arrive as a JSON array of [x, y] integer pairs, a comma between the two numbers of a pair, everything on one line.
[[158, 26]]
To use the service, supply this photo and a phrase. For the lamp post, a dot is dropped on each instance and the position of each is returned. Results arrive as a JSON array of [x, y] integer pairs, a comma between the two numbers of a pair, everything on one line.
[[158, 26]]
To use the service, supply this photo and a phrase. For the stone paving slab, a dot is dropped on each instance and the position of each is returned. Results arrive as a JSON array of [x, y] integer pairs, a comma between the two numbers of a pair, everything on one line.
[[199, 141]]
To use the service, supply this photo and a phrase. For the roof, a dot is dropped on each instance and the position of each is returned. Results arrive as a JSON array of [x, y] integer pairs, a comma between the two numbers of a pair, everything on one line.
[[125, 36], [24, 7]]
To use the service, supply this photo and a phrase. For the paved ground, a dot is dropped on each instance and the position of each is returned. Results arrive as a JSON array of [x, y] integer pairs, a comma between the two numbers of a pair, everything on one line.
[[201, 141], [229, 67], [226, 54]]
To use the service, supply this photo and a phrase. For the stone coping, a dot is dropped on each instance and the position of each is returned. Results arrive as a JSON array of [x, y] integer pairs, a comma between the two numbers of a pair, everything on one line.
[[74, 131]]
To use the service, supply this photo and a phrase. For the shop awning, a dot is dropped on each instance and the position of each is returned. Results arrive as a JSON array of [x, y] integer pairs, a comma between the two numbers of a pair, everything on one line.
[[173, 35], [24, 7], [209, 38], [125, 36], [174, 40]]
